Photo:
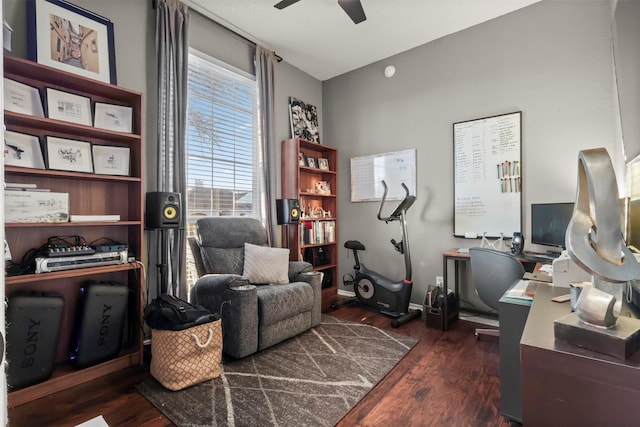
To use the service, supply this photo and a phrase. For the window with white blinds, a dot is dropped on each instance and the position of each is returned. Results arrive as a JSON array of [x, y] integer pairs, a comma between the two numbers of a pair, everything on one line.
[[221, 141]]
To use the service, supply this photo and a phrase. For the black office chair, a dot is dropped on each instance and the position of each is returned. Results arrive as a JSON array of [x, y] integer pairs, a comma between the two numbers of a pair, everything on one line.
[[493, 273]]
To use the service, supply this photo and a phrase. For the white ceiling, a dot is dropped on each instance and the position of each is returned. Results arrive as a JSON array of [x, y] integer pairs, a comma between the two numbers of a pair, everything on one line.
[[319, 38]]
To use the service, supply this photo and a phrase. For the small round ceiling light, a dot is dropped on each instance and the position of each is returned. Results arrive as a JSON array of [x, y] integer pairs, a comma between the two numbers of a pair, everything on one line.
[[389, 71]]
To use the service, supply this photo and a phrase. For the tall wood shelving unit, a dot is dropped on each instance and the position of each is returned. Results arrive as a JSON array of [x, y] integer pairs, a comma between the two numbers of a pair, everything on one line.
[[89, 194], [298, 182]]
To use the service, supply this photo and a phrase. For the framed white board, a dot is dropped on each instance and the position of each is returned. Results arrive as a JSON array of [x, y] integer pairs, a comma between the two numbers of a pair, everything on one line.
[[488, 176], [395, 168]]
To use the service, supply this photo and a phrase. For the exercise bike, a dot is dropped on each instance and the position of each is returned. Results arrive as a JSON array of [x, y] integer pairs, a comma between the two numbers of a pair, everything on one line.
[[389, 297]]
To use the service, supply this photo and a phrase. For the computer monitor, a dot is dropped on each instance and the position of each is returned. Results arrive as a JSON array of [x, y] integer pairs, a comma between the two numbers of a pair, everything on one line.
[[549, 223]]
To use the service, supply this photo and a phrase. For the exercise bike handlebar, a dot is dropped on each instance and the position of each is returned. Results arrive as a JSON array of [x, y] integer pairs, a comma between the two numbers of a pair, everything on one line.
[[402, 207], [398, 215]]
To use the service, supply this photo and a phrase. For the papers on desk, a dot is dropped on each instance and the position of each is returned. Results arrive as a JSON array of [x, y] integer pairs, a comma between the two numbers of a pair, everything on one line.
[[523, 290]]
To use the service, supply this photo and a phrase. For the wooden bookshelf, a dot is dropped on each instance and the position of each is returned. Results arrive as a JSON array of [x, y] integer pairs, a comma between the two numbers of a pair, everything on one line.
[[89, 194], [307, 182]]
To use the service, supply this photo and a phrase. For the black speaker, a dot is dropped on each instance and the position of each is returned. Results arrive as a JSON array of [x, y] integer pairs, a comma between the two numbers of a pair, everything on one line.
[[163, 210], [287, 211], [33, 324], [97, 334]]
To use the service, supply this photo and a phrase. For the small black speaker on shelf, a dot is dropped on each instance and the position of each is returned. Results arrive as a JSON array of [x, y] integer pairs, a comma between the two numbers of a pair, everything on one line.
[[287, 211], [163, 210]]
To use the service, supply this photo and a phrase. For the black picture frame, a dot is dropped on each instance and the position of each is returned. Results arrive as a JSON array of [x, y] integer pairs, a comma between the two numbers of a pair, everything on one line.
[[53, 41], [312, 162], [304, 120]]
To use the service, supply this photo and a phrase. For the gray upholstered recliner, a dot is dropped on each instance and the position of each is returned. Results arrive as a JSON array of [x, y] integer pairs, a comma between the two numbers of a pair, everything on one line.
[[254, 315]]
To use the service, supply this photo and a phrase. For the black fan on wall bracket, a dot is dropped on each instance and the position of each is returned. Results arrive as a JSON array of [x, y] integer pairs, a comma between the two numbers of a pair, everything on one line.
[[353, 8]]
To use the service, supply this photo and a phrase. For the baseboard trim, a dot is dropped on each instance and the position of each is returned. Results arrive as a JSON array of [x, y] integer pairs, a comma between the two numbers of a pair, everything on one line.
[[464, 315], [350, 294]]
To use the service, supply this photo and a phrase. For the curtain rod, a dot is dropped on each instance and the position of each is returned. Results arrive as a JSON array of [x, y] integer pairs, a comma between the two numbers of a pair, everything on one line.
[[237, 34]]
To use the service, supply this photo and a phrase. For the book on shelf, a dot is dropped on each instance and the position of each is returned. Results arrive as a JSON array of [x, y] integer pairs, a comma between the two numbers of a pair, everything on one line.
[[11, 185], [315, 232], [94, 218], [18, 186]]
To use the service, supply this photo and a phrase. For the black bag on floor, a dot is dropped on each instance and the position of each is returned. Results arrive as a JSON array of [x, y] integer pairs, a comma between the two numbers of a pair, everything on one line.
[[170, 313]]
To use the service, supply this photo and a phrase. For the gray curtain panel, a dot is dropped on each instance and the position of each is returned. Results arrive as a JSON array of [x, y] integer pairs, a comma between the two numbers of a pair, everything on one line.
[[264, 76], [172, 22]]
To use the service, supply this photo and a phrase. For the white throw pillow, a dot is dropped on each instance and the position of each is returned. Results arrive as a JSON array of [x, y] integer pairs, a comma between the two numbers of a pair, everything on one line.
[[263, 264]]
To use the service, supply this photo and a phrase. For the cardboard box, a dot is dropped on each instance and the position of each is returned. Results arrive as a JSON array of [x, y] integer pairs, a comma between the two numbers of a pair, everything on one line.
[[36, 206]]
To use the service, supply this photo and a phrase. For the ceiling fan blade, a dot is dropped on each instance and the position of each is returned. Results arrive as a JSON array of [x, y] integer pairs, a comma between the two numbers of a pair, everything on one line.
[[285, 3], [354, 9]]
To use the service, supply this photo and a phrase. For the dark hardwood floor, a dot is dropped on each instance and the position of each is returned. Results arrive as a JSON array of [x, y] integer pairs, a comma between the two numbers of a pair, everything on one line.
[[448, 379]]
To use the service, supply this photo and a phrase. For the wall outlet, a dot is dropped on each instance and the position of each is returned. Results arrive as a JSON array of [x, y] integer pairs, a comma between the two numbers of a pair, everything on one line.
[[439, 281]]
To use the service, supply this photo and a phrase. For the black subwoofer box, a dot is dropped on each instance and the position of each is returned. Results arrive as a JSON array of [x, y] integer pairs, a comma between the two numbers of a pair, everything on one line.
[[33, 325], [99, 323]]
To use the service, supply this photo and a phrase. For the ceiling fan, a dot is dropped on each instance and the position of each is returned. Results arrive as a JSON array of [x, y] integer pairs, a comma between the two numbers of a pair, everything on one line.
[[353, 8]]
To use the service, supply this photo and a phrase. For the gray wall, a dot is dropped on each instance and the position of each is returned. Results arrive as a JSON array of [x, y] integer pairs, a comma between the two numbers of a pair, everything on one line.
[[551, 60], [134, 28]]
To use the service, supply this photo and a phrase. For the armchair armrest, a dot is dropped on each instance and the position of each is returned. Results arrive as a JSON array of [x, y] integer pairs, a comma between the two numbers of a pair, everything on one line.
[[296, 268], [237, 302], [314, 279]]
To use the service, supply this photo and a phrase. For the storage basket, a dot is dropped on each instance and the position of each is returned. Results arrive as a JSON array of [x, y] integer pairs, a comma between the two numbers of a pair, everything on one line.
[[180, 359]]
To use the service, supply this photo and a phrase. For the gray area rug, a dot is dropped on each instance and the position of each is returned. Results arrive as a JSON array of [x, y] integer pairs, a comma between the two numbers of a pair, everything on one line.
[[313, 379]]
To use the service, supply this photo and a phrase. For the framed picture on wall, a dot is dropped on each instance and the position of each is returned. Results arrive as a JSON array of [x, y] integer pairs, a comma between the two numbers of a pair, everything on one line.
[[64, 36], [304, 120]]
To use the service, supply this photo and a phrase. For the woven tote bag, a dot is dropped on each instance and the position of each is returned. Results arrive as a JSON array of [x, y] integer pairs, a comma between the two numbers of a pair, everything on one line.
[[180, 359]]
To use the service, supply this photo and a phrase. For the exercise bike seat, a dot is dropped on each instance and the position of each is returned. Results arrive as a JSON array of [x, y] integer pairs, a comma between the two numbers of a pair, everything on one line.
[[354, 245]]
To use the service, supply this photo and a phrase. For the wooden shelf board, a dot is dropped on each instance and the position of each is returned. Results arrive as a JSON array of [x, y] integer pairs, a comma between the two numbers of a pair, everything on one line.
[[69, 224], [66, 376], [49, 173], [53, 125], [28, 278]]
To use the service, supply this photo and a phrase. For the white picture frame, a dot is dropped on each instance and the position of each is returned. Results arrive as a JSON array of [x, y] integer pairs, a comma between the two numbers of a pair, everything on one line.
[[323, 164], [110, 160], [113, 117], [69, 155], [22, 98], [68, 107], [22, 150]]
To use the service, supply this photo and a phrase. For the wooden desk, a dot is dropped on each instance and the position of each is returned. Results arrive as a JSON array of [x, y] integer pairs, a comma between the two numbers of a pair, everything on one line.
[[565, 385]]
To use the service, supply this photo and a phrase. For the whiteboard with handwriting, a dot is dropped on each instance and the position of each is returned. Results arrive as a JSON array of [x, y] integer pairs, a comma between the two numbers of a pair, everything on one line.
[[488, 176], [395, 168]]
